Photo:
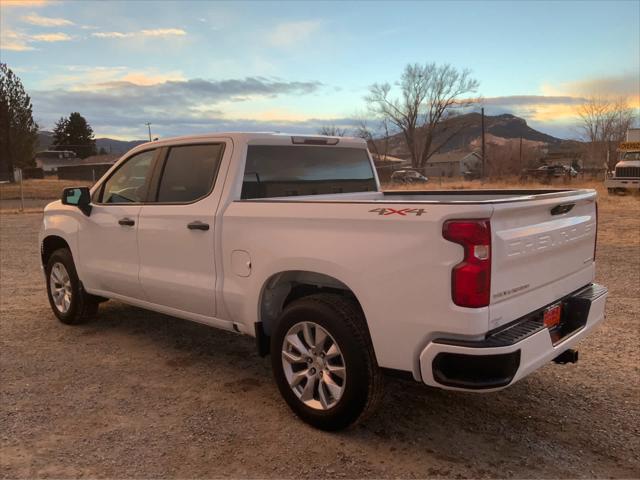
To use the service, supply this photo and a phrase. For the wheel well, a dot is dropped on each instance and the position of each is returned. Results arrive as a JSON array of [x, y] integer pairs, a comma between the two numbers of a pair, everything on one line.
[[283, 288], [50, 245]]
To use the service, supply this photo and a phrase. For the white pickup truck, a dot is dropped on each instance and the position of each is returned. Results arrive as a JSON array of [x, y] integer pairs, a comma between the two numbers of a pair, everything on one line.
[[289, 239]]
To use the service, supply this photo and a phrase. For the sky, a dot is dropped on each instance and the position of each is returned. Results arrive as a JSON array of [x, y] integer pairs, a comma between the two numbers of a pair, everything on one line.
[[194, 67]]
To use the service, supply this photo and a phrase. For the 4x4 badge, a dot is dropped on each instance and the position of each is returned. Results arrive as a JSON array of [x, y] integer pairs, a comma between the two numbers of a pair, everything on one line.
[[403, 212]]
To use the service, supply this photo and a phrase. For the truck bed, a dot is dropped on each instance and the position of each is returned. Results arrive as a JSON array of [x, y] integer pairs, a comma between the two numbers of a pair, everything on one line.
[[542, 250], [435, 196]]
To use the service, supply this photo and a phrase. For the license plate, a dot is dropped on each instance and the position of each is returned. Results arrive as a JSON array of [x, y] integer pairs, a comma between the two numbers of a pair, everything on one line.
[[552, 315]]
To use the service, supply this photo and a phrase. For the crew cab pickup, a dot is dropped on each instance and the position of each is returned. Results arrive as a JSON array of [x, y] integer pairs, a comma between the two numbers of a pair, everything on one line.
[[291, 240]]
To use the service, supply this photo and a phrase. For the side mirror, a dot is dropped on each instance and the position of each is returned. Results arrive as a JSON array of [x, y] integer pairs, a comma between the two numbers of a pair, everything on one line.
[[78, 197]]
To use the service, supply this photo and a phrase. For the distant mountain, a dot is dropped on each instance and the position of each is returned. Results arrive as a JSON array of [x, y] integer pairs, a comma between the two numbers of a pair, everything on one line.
[[45, 140], [467, 128], [117, 146]]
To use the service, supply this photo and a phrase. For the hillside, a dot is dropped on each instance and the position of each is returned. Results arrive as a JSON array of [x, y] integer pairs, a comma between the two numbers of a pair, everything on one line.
[[45, 139], [467, 129]]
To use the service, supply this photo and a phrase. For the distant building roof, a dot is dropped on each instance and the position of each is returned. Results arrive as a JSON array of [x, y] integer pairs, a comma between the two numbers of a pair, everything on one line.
[[452, 157], [48, 163], [386, 158], [107, 158], [55, 154]]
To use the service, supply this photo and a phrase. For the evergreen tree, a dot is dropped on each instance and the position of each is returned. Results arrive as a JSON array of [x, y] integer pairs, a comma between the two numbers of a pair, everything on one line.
[[60, 134], [18, 130], [75, 134]]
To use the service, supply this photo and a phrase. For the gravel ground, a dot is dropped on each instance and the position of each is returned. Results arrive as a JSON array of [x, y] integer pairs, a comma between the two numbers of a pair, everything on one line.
[[138, 394]]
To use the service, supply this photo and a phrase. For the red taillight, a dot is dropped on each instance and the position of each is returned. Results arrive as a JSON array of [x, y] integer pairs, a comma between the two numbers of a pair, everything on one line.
[[471, 278], [595, 240]]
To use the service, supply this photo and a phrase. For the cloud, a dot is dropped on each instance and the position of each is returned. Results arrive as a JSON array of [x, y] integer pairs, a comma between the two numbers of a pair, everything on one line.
[[51, 37], [532, 100], [111, 35], [35, 19], [81, 77], [561, 109], [24, 3], [14, 41], [626, 84], [175, 106], [163, 32], [292, 33], [157, 32], [21, 42], [146, 79]]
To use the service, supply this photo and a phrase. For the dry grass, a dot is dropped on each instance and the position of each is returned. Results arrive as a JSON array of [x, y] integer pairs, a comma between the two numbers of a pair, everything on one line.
[[41, 189]]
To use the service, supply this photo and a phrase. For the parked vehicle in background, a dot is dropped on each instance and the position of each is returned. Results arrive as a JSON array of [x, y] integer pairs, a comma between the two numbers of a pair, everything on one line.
[[552, 170], [289, 239], [408, 176], [626, 175], [546, 173]]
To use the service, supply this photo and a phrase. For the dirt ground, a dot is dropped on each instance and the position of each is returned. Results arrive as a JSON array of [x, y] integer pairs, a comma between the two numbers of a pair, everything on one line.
[[136, 394]]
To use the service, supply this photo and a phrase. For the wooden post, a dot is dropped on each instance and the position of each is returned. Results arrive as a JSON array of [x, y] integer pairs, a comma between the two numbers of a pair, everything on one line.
[[21, 191], [521, 153]]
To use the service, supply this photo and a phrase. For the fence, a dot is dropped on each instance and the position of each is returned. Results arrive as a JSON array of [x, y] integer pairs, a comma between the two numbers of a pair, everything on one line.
[[32, 172], [90, 172]]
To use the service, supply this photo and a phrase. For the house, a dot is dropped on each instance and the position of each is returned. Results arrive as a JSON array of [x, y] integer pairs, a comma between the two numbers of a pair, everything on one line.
[[90, 168], [50, 160], [452, 164]]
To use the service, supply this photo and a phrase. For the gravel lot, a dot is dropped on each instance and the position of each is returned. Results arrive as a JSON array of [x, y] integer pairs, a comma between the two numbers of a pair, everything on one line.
[[137, 394]]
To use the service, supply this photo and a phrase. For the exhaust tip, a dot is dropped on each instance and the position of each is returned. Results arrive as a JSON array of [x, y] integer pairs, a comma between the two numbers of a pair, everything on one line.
[[568, 356]]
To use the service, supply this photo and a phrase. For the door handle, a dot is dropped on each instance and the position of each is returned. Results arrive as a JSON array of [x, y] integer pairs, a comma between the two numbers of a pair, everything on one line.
[[126, 222], [198, 225]]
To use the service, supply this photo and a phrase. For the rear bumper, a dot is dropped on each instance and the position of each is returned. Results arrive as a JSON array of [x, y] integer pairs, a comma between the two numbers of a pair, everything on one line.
[[516, 350], [622, 183]]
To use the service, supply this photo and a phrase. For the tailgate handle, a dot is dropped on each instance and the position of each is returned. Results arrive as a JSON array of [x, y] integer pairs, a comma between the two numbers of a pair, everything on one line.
[[564, 208]]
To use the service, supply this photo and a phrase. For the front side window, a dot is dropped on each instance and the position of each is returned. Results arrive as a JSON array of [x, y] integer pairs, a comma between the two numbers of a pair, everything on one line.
[[284, 171], [189, 173], [129, 183]]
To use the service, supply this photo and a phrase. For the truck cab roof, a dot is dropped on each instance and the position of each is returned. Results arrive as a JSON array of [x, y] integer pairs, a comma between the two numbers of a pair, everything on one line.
[[261, 138]]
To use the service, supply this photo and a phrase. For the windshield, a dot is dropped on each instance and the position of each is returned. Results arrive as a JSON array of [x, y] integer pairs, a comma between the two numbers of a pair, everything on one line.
[[285, 171], [631, 156]]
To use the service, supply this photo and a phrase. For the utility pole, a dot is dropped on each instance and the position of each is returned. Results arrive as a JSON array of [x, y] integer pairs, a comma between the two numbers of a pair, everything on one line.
[[483, 145], [149, 127], [521, 153]]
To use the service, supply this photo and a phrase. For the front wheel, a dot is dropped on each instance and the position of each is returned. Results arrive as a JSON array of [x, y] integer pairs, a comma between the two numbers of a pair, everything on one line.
[[68, 300], [323, 361]]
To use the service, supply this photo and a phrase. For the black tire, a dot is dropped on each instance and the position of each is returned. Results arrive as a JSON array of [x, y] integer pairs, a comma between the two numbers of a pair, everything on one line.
[[83, 306], [343, 319]]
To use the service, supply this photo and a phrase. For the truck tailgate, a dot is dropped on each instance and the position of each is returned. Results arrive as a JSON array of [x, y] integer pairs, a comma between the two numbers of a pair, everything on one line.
[[541, 251]]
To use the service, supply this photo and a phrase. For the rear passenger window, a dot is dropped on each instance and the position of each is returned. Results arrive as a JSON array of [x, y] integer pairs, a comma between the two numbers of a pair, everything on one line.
[[287, 170], [189, 173]]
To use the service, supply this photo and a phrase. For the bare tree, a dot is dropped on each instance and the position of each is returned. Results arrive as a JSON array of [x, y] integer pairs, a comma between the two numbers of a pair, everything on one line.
[[332, 131], [428, 95], [604, 123], [377, 139]]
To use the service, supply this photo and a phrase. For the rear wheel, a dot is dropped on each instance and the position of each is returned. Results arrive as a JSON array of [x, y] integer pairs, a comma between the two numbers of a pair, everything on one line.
[[68, 300], [323, 361]]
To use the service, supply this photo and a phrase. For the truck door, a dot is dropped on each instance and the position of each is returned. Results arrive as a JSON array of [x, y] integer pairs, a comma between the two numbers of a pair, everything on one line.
[[108, 237], [176, 232]]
